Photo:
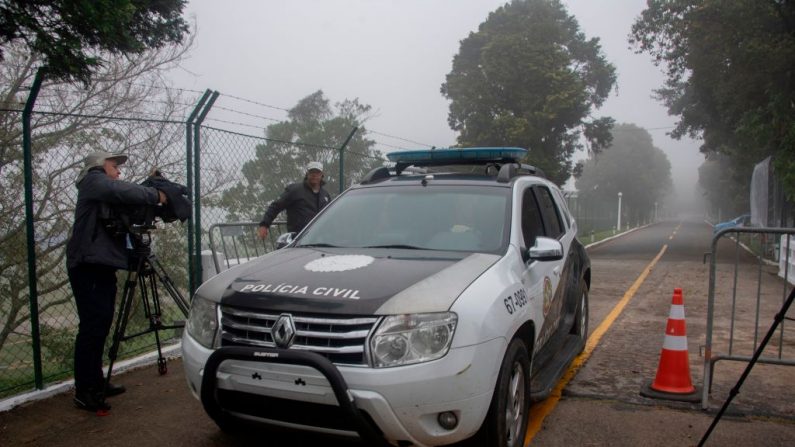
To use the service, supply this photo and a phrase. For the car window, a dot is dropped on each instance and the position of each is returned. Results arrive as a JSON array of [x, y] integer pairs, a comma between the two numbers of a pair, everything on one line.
[[563, 207], [532, 225], [472, 219], [549, 213]]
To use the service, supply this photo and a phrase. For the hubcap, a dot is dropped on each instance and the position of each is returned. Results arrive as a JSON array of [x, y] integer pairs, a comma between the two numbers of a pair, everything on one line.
[[583, 316], [514, 408]]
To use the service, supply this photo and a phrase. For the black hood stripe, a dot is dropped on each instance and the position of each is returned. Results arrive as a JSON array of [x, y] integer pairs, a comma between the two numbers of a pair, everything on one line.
[[438, 292], [285, 281]]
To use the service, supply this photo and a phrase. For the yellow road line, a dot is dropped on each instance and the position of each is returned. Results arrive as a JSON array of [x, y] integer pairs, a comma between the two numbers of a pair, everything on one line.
[[540, 411]]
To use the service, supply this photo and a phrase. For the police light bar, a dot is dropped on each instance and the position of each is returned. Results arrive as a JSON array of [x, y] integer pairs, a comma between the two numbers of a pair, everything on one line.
[[453, 155]]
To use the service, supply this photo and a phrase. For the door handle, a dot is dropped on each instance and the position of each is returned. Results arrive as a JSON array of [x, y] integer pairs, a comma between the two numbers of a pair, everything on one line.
[[556, 271]]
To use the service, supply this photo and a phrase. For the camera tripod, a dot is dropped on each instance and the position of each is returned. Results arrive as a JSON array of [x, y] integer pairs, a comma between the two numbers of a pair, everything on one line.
[[148, 272]]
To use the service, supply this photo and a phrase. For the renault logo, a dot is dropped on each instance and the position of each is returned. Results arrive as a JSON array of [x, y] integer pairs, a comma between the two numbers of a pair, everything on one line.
[[283, 331]]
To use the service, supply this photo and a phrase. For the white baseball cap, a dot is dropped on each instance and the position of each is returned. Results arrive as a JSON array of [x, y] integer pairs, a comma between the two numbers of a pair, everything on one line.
[[314, 165], [97, 160]]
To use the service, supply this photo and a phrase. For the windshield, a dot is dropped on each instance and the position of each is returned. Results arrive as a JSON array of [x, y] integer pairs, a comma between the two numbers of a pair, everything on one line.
[[460, 218]]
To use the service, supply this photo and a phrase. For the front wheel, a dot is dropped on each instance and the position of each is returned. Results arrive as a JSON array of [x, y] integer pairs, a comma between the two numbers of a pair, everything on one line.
[[506, 421], [580, 328]]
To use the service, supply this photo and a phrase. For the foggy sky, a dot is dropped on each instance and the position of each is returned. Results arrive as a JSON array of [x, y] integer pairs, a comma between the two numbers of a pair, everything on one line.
[[394, 55]]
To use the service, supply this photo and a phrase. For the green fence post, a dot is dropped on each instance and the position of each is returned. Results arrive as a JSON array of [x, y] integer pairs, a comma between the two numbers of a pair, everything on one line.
[[197, 270], [31, 240], [342, 158], [189, 178]]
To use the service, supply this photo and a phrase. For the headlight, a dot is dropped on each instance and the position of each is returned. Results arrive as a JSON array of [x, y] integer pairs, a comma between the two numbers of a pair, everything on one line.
[[407, 339], [202, 321]]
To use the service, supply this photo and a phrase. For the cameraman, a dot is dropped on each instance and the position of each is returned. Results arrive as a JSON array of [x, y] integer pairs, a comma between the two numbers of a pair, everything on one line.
[[93, 254]]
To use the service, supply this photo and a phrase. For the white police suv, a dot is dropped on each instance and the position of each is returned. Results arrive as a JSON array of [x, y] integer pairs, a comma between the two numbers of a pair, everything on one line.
[[421, 307]]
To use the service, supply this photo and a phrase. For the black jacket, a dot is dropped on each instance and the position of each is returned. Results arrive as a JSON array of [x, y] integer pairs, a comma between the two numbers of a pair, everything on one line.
[[91, 242], [301, 203]]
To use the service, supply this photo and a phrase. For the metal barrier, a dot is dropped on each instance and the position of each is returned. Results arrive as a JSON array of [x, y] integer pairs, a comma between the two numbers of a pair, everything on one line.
[[747, 315], [237, 242], [786, 260]]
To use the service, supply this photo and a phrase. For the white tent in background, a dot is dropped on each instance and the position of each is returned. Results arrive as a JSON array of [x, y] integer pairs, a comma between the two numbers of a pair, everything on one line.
[[759, 193]]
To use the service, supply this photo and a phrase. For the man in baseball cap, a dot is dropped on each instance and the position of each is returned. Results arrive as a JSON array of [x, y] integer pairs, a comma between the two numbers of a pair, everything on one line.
[[93, 254], [302, 201]]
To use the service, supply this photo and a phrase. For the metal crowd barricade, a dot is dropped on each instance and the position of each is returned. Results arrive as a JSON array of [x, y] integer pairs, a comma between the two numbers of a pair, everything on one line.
[[779, 241], [235, 243]]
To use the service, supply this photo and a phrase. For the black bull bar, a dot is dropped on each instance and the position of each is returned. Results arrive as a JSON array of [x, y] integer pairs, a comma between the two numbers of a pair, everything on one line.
[[274, 355]]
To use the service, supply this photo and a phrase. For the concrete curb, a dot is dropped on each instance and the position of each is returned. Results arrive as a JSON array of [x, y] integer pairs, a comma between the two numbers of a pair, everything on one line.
[[150, 358], [618, 235]]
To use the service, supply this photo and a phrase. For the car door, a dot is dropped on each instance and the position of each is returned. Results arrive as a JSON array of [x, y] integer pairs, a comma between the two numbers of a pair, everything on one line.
[[556, 228], [541, 279]]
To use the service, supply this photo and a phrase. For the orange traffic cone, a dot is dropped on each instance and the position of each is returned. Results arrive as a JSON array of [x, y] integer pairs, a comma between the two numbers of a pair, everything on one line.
[[673, 372]]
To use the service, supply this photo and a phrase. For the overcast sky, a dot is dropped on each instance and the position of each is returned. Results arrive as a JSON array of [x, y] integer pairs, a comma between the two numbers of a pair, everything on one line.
[[393, 55]]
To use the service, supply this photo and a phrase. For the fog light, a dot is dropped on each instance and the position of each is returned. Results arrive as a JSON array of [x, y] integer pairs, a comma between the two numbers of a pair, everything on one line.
[[447, 420]]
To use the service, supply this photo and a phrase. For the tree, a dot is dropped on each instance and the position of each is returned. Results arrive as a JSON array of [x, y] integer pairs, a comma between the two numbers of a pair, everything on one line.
[[70, 35], [729, 77], [727, 195], [528, 77], [127, 109], [314, 131], [632, 166]]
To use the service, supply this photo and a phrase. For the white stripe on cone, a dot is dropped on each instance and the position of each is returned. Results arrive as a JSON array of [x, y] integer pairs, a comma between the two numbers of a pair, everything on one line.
[[675, 343], [677, 312]]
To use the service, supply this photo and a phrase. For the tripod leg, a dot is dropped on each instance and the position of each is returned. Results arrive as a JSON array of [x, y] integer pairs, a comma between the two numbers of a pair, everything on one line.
[[162, 368], [172, 290], [152, 312], [121, 322], [149, 271], [175, 295]]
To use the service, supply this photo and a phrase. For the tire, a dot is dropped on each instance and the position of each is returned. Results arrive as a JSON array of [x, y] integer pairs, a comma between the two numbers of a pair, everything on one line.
[[229, 424], [580, 327], [506, 421]]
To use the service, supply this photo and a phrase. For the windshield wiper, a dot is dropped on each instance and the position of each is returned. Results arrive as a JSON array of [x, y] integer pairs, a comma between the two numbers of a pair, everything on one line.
[[319, 245], [410, 247]]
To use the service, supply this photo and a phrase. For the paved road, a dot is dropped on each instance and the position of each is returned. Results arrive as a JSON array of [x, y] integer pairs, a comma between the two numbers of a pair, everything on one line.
[[600, 406], [603, 400]]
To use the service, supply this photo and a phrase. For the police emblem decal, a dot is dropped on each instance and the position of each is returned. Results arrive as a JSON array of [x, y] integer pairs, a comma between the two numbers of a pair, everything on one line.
[[340, 263], [547, 295]]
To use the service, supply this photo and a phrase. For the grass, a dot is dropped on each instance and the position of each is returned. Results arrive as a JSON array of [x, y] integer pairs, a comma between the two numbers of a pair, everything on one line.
[[16, 356], [596, 236]]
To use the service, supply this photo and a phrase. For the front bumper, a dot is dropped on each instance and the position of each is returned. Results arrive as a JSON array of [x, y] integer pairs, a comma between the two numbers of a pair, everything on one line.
[[396, 404]]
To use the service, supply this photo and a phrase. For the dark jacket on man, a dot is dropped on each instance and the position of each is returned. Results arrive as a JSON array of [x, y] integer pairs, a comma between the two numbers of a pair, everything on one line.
[[91, 242], [301, 203]]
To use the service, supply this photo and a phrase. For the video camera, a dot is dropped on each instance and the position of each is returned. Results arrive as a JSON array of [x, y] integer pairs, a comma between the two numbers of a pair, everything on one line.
[[136, 219]]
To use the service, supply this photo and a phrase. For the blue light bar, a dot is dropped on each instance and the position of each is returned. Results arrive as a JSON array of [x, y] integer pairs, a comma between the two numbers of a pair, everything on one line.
[[458, 154]]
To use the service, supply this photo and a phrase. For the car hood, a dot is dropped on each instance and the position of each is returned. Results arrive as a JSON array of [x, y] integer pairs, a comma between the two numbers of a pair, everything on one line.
[[368, 282]]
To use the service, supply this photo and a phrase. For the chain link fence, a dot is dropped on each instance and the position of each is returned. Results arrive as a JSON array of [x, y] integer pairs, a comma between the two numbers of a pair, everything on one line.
[[58, 145], [236, 175]]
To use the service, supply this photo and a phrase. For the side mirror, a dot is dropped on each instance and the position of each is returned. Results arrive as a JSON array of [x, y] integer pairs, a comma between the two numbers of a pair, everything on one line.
[[284, 240], [545, 249]]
